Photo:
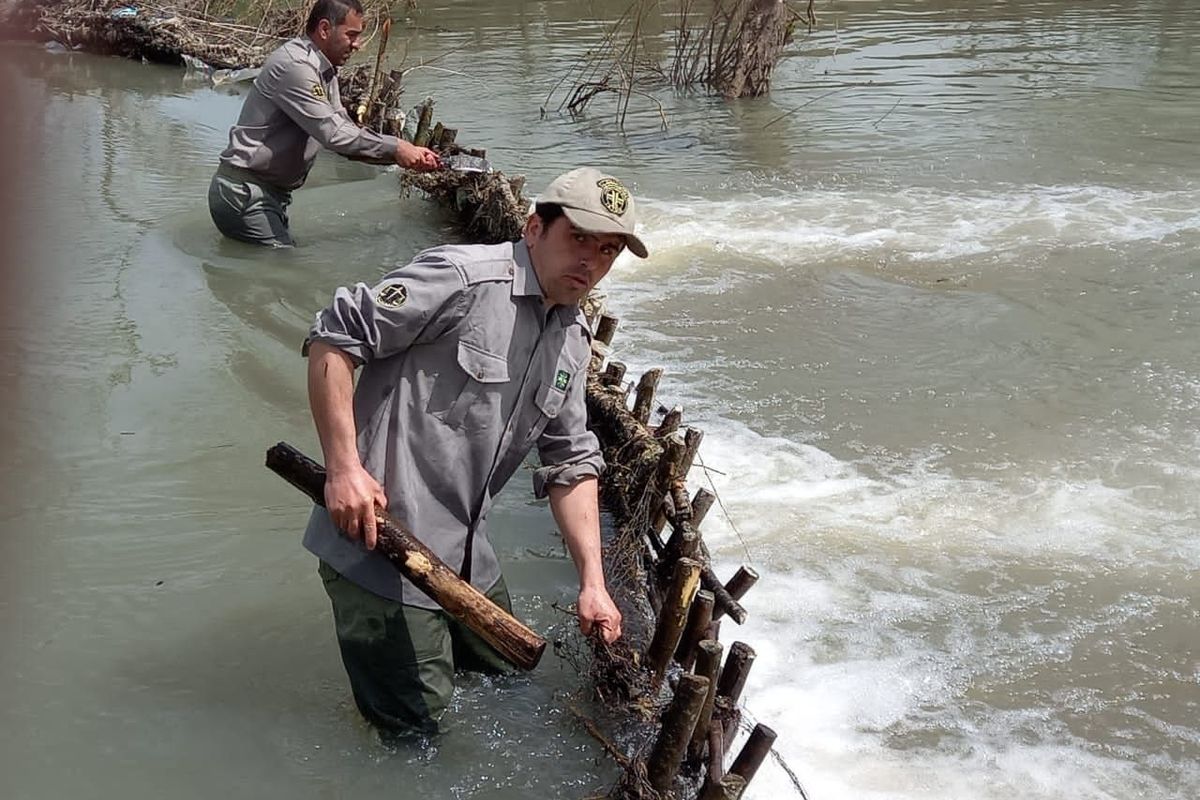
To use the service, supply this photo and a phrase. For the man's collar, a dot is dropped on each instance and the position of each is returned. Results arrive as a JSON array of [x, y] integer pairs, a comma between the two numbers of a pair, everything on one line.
[[525, 281], [324, 65]]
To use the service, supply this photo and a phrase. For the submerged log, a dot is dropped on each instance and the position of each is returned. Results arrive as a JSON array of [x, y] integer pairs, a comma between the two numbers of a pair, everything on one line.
[[678, 723], [513, 640]]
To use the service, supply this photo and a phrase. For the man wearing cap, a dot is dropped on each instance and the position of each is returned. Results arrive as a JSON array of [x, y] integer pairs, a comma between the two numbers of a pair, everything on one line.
[[471, 356], [293, 110]]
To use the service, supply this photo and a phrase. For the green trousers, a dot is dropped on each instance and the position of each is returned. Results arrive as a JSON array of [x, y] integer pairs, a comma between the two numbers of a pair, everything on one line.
[[401, 659]]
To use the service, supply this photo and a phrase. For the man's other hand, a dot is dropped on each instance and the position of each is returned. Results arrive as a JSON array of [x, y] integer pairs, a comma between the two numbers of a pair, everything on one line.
[[421, 159], [351, 495], [597, 610]]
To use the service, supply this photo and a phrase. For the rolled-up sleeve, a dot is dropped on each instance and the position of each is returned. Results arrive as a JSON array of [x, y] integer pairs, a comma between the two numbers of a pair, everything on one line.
[[298, 91], [568, 450], [412, 304]]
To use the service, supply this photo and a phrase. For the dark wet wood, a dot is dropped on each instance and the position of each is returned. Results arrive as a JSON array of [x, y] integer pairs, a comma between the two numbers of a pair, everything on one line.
[[738, 585], [644, 399], [513, 640], [753, 752], [699, 615], [708, 664], [736, 670], [678, 723], [702, 501]]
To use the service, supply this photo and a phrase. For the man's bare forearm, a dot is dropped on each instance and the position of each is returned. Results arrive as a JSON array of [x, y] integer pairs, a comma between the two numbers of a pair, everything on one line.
[[576, 510], [331, 398]]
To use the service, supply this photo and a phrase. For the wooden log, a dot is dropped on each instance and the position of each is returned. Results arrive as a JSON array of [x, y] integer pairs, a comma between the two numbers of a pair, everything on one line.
[[730, 787], [725, 716], [614, 373], [679, 721], [692, 438], [683, 543], [670, 422], [699, 615], [680, 503], [736, 670], [702, 501], [715, 767], [753, 752], [738, 585], [606, 328], [435, 138], [421, 136], [448, 137], [725, 602], [685, 583], [513, 640], [714, 627], [644, 400], [708, 664]]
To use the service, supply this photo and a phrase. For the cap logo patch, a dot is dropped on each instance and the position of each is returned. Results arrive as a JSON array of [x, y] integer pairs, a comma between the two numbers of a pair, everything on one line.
[[562, 379], [613, 196], [318, 91], [393, 295]]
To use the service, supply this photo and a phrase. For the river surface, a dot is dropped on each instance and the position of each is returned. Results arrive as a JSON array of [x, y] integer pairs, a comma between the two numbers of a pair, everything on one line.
[[934, 302]]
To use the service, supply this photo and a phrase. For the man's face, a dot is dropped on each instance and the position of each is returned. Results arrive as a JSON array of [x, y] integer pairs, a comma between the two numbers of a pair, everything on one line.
[[567, 260], [338, 42]]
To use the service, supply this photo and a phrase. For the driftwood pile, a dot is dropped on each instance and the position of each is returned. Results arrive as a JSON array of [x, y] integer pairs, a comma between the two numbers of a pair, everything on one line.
[[153, 32]]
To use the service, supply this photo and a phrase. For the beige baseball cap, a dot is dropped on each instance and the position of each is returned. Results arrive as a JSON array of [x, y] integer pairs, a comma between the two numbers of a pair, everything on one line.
[[596, 203]]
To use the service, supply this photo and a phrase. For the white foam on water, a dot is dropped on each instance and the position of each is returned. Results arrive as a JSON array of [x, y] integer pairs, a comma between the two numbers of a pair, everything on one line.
[[858, 566], [919, 224]]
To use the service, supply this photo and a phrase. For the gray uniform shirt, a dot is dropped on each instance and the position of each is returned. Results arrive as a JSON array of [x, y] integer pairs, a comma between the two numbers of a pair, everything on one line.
[[464, 372], [292, 111]]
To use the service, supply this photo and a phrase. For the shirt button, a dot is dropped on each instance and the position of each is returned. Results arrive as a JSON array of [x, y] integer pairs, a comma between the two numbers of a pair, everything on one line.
[[479, 375], [510, 270]]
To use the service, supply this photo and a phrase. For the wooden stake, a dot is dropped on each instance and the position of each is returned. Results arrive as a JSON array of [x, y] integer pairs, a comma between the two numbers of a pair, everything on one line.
[[678, 723], [753, 752], [364, 111], [701, 503], [738, 585], [644, 400], [708, 664], [517, 643], [614, 373], [735, 672], [725, 602], [606, 328], [725, 716], [692, 439], [730, 787], [670, 422], [699, 616], [421, 136], [684, 584]]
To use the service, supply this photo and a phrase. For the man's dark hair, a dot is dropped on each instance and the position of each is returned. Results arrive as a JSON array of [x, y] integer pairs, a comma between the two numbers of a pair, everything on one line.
[[333, 10], [548, 212]]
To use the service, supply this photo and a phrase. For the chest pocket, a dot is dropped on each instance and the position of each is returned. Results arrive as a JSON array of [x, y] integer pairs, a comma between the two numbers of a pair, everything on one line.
[[482, 371], [552, 394]]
